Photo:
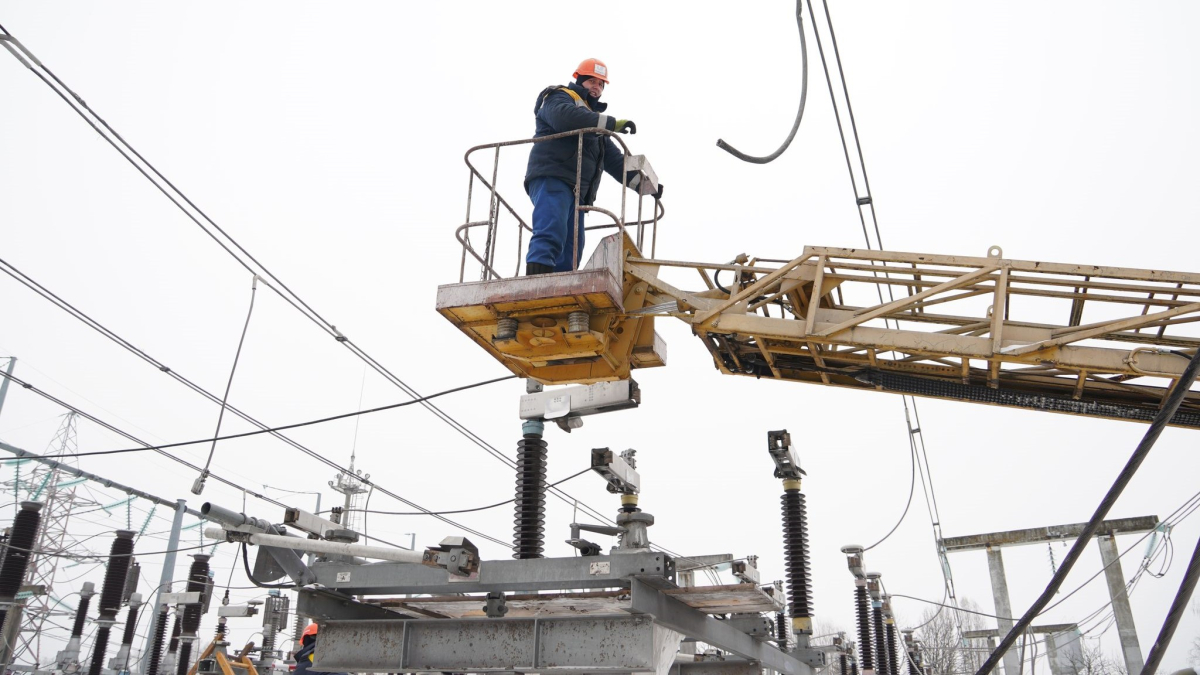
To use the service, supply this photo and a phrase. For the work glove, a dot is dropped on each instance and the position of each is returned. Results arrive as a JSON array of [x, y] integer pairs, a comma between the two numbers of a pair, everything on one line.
[[626, 127], [658, 195]]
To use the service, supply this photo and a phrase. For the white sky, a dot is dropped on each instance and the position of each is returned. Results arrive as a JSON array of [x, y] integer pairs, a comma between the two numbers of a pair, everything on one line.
[[328, 140]]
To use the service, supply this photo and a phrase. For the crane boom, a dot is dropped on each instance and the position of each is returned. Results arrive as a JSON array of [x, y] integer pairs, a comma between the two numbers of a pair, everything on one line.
[[1068, 338]]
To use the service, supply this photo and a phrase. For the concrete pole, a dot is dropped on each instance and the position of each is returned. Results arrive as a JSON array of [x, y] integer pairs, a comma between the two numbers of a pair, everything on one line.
[[1012, 663], [1122, 612], [164, 580], [1052, 655]]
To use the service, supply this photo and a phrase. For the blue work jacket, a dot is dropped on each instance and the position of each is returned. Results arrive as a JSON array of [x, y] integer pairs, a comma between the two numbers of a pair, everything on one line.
[[557, 111]]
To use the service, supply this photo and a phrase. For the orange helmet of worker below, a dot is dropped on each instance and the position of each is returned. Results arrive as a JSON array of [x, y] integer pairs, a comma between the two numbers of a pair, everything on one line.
[[592, 68], [310, 629]]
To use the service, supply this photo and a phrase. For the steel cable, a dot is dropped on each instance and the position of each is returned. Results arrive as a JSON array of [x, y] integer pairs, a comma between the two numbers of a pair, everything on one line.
[[128, 152], [328, 462], [1174, 399], [229, 385]]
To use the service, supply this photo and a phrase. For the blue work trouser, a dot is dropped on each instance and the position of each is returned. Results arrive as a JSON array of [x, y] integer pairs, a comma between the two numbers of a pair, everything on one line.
[[553, 208]]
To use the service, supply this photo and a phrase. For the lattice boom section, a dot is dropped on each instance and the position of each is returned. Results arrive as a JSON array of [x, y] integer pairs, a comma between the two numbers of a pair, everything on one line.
[[1079, 339]]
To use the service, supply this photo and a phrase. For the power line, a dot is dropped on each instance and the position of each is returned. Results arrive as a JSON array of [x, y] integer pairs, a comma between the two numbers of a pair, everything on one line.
[[478, 508], [328, 462], [208, 225], [272, 430], [866, 203], [912, 488], [104, 556], [228, 385], [1169, 406]]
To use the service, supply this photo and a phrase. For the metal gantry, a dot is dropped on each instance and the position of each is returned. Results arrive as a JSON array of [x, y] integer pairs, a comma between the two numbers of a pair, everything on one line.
[[618, 611]]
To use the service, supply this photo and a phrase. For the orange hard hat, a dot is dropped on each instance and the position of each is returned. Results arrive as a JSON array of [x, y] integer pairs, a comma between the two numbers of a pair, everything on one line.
[[592, 68], [310, 629]]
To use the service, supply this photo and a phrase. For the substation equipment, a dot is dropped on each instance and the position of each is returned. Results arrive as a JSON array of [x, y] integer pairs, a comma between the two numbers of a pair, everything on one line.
[[1077, 339], [624, 610]]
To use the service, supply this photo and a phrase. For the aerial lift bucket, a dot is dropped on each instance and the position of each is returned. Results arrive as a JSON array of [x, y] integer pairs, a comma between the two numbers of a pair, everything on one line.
[[574, 327]]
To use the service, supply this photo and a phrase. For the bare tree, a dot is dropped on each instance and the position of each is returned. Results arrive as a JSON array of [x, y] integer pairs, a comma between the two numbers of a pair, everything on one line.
[[1093, 661], [945, 650]]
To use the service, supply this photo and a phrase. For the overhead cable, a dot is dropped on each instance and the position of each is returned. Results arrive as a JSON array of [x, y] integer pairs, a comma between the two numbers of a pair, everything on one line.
[[1178, 606], [199, 486], [912, 487], [245, 434], [478, 508], [328, 462], [208, 225], [228, 243], [66, 468], [1172, 403], [863, 202]]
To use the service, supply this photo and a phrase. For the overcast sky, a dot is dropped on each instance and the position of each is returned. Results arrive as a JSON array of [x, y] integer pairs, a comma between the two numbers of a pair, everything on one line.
[[328, 140]]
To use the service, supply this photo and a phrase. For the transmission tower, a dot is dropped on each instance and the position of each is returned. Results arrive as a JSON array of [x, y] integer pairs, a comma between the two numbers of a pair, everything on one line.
[[56, 490]]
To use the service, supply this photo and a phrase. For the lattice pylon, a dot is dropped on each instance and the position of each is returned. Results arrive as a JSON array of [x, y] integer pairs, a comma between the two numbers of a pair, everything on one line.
[[56, 490]]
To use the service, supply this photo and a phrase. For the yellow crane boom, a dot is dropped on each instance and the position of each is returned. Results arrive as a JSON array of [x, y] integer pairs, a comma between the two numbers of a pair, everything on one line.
[[1068, 338]]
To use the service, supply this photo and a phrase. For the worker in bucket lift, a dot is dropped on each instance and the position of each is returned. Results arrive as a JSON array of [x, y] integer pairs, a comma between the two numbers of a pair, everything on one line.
[[550, 176], [304, 657]]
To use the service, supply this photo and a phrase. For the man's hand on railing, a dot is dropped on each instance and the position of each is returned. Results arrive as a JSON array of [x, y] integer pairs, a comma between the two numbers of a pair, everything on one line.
[[626, 127]]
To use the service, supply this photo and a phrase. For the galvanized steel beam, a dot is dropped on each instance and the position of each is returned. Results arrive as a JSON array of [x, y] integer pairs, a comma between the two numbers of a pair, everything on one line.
[[695, 624], [608, 644], [615, 571]]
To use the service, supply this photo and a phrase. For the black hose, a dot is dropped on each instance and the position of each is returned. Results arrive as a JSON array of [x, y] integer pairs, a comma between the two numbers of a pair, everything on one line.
[[1170, 406], [250, 575], [799, 113]]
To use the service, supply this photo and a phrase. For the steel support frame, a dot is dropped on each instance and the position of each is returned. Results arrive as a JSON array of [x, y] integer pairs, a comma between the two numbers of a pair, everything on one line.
[[594, 644], [644, 640], [695, 624], [612, 571]]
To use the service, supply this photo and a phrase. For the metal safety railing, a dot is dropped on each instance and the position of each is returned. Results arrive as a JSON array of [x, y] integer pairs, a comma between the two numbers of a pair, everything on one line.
[[486, 257]]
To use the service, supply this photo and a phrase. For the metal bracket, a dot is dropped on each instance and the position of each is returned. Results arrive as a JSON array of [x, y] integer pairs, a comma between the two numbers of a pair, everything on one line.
[[315, 525], [787, 460], [756, 626], [457, 555], [325, 605], [620, 474], [579, 400], [495, 607], [746, 570], [813, 657], [586, 548]]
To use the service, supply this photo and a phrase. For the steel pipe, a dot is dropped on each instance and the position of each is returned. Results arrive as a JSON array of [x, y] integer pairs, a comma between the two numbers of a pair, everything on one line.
[[318, 546]]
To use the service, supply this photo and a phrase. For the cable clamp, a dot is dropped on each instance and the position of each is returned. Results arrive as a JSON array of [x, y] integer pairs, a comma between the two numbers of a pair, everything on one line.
[[337, 334], [864, 201]]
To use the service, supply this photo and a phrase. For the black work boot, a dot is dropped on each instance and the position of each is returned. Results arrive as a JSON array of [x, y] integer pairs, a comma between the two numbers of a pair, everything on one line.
[[532, 268]]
